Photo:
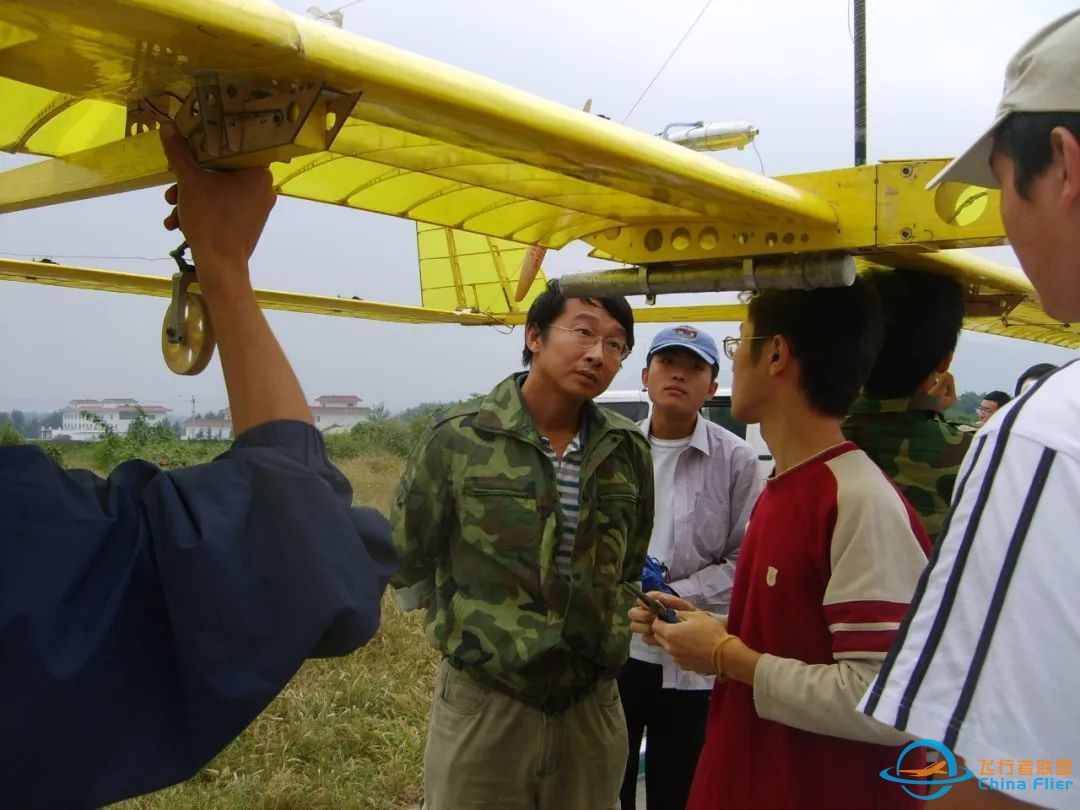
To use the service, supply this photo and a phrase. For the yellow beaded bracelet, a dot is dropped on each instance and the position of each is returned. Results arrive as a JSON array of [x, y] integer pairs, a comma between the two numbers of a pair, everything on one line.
[[717, 656]]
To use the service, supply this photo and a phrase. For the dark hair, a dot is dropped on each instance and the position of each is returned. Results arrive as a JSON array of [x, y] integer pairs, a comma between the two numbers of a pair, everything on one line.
[[1036, 372], [715, 366], [1000, 397], [1025, 139], [922, 314], [834, 333], [550, 304]]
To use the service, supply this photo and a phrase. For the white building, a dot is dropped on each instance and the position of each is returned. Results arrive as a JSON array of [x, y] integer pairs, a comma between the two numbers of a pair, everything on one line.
[[338, 413], [202, 428], [117, 414]]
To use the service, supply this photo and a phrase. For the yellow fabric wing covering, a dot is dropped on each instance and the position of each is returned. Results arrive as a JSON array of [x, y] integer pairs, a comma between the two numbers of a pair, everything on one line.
[[468, 271], [426, 141]]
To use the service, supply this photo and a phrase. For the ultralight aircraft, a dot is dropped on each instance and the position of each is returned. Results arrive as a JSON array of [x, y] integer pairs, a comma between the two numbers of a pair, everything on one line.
[[492, 176]]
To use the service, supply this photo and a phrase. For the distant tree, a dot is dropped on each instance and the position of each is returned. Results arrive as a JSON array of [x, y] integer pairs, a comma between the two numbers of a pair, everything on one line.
[[379, 413], [107, 431], [424, 409], [965, 407], [32, 425], [54, 420]]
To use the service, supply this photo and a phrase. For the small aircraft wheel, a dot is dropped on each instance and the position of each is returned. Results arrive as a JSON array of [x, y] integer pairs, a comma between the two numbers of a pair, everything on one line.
[[193, 355]]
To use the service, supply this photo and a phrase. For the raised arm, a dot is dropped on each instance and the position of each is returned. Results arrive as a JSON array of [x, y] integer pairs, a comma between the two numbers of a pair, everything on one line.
[[222, 216], [146, 619]]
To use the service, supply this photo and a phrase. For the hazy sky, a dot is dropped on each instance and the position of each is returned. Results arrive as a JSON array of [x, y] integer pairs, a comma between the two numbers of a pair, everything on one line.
[[935, 75]]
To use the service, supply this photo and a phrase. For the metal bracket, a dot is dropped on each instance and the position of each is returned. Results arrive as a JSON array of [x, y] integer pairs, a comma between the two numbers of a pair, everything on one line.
[[146, 114], [226, 121], [223, 119], [176, 331], [994, 305]]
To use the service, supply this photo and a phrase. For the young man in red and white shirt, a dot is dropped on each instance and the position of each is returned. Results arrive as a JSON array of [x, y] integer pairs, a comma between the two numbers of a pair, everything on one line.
[[828, 565]]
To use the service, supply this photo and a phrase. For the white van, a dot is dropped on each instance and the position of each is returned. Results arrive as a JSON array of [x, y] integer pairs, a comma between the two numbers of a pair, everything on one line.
[[636, 405]]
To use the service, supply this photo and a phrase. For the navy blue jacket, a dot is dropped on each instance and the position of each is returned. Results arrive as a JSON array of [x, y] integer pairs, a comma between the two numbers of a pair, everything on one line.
[[146, 620]]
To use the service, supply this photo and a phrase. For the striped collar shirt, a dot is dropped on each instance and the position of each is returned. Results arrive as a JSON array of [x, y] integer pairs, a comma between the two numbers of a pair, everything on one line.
[[568, 481]]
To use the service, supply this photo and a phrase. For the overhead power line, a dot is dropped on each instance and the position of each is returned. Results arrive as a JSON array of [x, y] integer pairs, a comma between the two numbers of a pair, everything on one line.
[[671, 55]]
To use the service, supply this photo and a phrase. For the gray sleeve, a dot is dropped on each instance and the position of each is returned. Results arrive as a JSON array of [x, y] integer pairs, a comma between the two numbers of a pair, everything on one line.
[[821, 698]]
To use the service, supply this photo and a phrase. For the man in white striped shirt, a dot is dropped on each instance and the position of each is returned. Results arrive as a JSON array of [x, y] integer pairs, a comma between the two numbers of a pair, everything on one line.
[[988, 659]]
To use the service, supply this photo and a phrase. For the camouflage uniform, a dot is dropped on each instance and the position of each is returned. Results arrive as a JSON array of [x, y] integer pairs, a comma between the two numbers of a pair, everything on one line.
[[477, 523], [915, 447]]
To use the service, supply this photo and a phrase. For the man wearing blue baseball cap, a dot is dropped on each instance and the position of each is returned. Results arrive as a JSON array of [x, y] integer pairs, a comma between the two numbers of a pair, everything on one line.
[[706, 482]]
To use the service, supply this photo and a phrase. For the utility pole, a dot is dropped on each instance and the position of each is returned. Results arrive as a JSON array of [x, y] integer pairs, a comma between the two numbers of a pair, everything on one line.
[[192, 407], [860, 82]]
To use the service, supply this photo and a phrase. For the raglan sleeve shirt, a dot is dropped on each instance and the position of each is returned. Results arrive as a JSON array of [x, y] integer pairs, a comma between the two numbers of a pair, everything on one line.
[[147, 618], [877, 551]]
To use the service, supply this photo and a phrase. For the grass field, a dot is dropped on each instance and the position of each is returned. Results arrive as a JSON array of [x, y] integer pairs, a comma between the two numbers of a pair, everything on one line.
[[347, 732]]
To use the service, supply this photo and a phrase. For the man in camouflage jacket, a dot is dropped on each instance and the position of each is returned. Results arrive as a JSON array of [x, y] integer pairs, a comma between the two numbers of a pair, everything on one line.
[[914, 445], [527, 609], [898, 419]]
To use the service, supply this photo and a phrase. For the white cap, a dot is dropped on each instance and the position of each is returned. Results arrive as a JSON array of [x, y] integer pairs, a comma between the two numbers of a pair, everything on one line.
[[1043, 76]]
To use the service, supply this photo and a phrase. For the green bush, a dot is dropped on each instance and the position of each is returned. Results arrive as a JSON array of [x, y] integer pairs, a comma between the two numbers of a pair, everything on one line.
[[155, 442], [396, 437], [54, 452], [9, 435], [158, 443]]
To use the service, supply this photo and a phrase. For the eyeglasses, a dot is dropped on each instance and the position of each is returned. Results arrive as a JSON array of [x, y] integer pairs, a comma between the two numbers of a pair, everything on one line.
[[731, 344], [587, 337]]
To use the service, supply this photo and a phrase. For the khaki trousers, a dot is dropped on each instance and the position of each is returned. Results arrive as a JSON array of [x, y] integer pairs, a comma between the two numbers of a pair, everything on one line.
[[488, 750]]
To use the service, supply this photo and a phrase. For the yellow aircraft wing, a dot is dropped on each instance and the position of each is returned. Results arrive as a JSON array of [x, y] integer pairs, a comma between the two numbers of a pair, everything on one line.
[[1000, 299], [439, 145], [60, 275], [1026, 321], [425, 141]]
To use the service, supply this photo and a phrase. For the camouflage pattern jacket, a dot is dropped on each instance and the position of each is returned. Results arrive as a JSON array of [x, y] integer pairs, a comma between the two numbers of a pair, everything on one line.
[[477, 522], [914, 445]]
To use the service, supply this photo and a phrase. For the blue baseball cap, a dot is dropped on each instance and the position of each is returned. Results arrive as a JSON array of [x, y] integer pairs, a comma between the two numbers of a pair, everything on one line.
[[686, 337]]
